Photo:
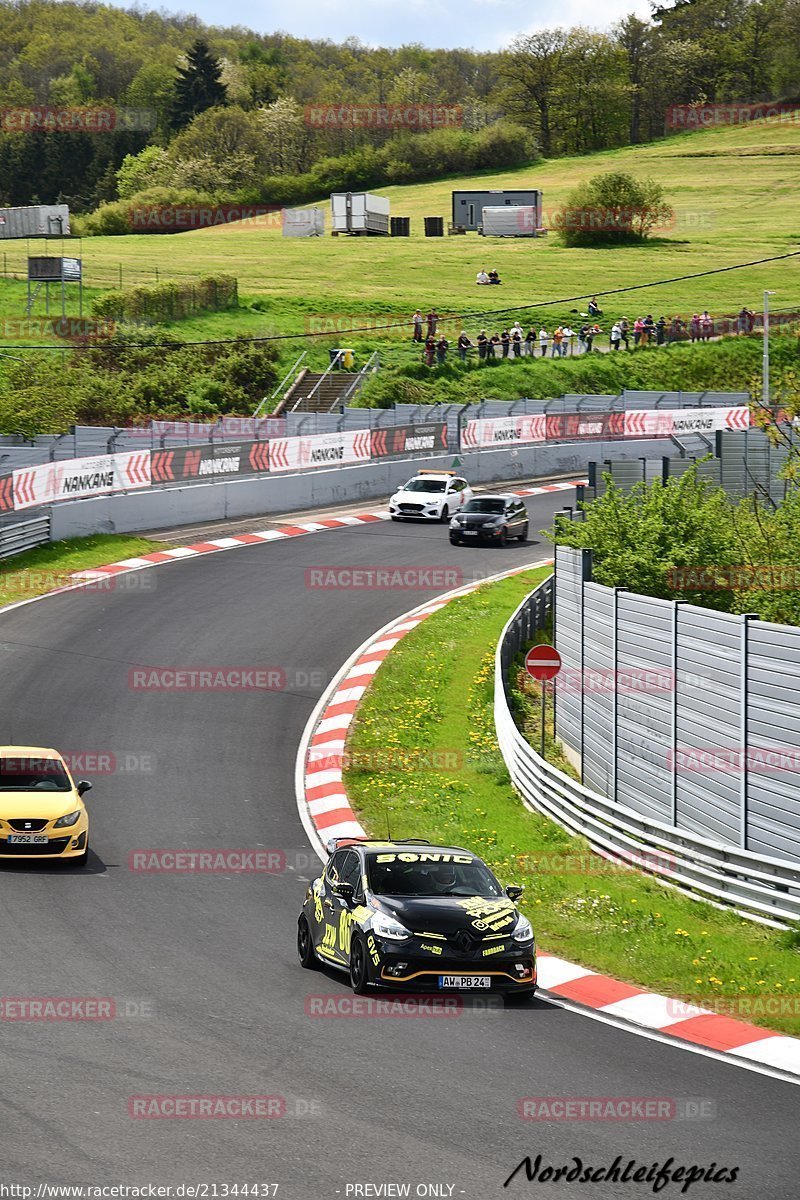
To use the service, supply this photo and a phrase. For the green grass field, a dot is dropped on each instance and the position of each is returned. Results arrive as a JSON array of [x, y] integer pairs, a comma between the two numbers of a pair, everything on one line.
[[424, 756], [49, 567], [733, 189]]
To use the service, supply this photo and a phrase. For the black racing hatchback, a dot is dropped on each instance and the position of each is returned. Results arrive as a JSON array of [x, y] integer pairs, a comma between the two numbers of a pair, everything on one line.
[[490, 519]]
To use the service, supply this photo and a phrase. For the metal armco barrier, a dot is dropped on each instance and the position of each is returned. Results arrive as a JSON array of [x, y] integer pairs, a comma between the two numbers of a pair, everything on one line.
[[758, 886], [23, 535]]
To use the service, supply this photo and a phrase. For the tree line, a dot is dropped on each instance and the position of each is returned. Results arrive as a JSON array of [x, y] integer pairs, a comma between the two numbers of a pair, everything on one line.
[[556, 91]]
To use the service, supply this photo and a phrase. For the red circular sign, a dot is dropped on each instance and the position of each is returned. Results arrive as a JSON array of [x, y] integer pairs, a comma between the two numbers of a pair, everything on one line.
[[543, 662]]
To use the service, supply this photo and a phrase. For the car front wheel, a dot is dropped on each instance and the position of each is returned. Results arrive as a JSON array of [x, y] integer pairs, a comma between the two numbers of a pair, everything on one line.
[[358, 967], [523, 537], [502, 538], [445, 515]]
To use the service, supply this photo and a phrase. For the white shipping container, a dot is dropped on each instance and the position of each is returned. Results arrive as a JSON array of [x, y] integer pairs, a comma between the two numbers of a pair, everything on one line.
[[40, 220], [359, 212], [512, 220], [303, 222]]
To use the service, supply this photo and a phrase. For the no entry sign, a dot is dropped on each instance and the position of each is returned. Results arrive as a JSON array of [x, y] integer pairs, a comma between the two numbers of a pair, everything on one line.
[[543, 662]]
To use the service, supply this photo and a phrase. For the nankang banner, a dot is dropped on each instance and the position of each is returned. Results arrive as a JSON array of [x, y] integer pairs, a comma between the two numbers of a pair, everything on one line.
[[77, 477], [408, 439], [503, 431], [320, 450]]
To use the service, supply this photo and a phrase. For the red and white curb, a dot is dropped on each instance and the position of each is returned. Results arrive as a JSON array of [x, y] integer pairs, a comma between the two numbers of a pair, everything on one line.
[[326, 813]]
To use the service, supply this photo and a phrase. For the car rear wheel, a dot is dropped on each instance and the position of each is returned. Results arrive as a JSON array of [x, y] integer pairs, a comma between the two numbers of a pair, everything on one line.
[[358, 967], [523, 537], [455, 541], [305, 945]]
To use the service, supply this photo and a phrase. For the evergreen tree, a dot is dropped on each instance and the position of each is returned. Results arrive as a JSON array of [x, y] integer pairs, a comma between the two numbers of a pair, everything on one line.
[[198, 86]]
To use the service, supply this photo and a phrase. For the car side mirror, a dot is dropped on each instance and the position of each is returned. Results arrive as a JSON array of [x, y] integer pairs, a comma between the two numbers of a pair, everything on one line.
[[345, 891], [514, 891], [83, 787]]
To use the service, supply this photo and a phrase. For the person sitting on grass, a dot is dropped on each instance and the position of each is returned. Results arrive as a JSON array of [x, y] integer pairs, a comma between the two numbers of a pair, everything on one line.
[[594, 308], [482, 276], [494, 277]]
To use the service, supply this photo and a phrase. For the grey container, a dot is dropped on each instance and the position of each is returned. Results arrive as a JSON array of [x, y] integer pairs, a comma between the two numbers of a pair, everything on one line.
[[39, 220]]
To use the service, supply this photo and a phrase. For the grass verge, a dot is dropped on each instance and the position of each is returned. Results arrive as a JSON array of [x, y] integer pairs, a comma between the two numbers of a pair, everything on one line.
[[423, 755], [47, 567]]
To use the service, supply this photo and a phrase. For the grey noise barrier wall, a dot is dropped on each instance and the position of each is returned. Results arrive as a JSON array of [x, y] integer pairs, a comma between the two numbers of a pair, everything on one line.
[[230, 499]]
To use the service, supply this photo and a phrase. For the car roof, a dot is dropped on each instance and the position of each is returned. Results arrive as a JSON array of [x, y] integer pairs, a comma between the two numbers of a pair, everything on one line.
[[29, 752], [411, 846], [495, 496]]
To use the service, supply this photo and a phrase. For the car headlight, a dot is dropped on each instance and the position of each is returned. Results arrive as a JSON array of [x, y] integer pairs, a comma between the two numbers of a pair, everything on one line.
[[387, 927], [455, 523], [69, 819], [523, 931]]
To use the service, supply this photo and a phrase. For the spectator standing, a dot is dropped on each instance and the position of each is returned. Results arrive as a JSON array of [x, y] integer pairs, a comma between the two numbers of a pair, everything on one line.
[[417, 319], [483, 344], [706, 325], [529, 345], [694, 328], [638, 329], [624, 328], [516, 341], [569, 337], [433, 320], [505, 342], [464, 345], [544, 338], [750, 320], [661, 330], [558, 338], [441, 350], [741, 321], [491, 349], [430, 351], [648, 329], [615, 336]]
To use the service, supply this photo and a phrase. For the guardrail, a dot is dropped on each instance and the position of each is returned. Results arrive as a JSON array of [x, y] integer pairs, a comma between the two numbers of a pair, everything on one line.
[[759, 887], [23, 535]]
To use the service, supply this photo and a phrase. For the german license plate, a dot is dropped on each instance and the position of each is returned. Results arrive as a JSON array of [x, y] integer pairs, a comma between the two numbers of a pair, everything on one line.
[[28, 839], [465, 981]]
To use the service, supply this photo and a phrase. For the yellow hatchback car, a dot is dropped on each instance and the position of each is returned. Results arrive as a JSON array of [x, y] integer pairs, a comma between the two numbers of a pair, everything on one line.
[[42, 814]]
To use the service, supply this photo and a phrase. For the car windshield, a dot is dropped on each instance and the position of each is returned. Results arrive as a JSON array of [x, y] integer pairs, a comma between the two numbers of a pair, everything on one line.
[[432, 879], [33, 775], [425, 485], [484, 505]]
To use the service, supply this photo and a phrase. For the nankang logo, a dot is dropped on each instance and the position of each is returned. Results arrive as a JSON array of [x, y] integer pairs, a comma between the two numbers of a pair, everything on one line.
[[93, 482], [327, 454]]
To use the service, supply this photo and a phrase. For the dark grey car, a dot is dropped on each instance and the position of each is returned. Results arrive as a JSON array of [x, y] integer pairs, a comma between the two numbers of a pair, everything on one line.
[[490, 519]]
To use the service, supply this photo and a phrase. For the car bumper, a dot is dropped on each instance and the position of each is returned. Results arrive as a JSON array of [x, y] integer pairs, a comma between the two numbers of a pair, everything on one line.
[[59, 845], [514, 971]]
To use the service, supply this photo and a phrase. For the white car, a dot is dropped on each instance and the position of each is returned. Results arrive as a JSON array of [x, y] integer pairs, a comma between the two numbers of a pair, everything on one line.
[[430, 496]]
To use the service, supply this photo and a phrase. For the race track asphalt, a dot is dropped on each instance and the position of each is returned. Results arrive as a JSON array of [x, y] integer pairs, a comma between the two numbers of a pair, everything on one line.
[[202, 968]]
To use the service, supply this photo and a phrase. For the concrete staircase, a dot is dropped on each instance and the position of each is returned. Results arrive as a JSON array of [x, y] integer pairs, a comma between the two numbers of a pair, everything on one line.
[[333, 389]]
